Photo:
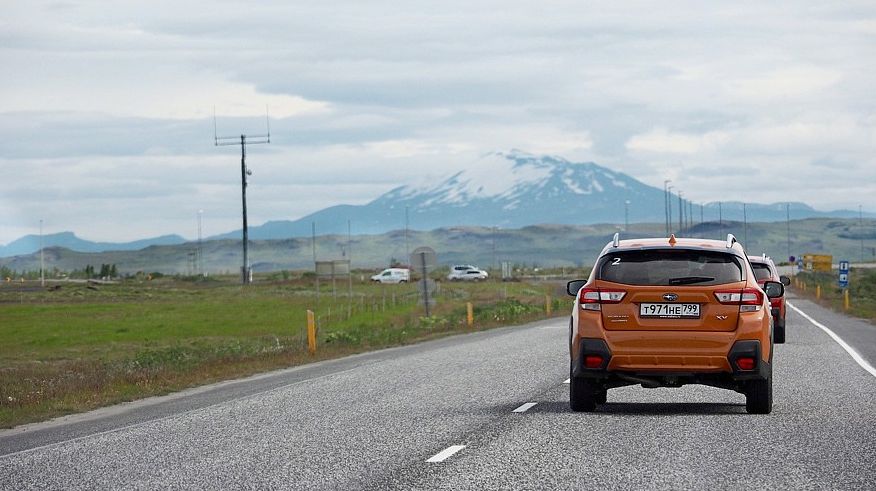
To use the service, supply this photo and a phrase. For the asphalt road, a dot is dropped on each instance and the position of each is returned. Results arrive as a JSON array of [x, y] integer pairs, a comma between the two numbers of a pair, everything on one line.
[[373, 421]]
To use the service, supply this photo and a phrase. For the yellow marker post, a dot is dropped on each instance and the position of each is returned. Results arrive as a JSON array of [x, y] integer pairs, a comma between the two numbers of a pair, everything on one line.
[[469, 314], [818, 292], [311, 333], [547, 305], [846, 303]]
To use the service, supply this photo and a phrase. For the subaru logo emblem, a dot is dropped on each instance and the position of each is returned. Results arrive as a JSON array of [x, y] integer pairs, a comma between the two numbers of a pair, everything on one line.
[[670, 297]]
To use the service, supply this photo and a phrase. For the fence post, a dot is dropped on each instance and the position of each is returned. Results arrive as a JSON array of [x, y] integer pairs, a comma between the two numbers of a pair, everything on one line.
[[469, 316], [547, 305], [311, 333], [846, 303]]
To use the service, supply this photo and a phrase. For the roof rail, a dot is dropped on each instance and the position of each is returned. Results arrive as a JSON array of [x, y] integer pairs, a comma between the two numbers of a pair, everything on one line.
[[615, 242], [731, 239]]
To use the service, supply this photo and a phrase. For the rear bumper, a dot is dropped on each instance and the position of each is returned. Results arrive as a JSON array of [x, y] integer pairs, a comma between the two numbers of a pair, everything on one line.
[[670, 370]]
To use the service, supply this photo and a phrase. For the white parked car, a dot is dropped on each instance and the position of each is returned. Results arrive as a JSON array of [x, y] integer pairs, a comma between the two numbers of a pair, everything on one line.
[[393, 275], [466, 273]]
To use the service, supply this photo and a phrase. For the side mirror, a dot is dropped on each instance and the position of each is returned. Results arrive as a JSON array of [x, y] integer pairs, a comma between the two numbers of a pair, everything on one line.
[[773, 289], [573, 286], [785, 280]]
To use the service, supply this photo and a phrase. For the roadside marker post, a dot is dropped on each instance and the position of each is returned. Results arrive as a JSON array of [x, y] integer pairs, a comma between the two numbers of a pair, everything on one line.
[[311, 333], [818, 292], [846, 303], [547, 305], [469, 314]]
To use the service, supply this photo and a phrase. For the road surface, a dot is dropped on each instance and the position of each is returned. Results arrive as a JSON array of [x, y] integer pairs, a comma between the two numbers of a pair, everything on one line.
[[481, 411]]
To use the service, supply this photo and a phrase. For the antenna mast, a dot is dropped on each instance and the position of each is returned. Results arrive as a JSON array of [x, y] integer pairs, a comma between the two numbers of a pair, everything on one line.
[[220, 141]]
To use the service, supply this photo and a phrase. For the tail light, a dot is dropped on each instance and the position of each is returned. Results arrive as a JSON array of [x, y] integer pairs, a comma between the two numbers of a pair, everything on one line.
[[593, 298], [748, 299], [746, 363], [593, 361]]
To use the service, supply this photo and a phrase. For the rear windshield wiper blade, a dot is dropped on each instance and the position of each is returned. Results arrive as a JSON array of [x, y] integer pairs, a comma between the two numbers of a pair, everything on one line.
[[688, 280]]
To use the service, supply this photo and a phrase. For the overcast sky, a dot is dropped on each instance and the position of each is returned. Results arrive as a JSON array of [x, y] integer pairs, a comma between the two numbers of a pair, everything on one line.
[[106, 107]]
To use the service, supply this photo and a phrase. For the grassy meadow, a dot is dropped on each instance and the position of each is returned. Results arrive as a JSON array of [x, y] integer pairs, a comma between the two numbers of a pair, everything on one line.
[[862, 291], [77, 346]]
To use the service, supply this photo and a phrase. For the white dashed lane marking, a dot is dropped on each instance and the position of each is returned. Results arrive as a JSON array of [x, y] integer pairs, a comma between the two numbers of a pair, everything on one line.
[[524, 408], [444, 454]]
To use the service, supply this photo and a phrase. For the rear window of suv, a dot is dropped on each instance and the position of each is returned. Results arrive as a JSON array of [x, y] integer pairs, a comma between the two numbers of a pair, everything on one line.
[[670, 267], [761, 271]]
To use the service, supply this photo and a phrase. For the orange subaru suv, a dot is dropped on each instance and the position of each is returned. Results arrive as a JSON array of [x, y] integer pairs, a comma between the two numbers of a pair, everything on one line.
[[669, 312]]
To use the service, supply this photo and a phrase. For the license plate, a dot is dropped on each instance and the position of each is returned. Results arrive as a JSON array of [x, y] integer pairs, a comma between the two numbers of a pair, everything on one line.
[[670, 310]]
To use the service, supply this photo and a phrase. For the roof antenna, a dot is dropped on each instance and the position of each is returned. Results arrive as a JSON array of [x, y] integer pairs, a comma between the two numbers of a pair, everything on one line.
[[616, 241]]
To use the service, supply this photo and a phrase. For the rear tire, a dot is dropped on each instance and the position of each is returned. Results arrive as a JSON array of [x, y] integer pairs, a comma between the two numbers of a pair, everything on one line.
[[583, 396], [602, 397], [759, 396]]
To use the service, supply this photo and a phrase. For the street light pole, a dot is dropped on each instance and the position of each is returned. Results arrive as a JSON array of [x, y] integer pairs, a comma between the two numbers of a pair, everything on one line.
[[669, 208], [680, 213], [626, 215], [665, 204]]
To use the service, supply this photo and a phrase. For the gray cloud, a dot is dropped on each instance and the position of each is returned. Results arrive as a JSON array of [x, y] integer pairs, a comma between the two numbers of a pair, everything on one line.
[[107, 110]]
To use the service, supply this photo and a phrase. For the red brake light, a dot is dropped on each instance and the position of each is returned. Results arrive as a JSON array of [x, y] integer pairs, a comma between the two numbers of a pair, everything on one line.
[[592, 361], [592, 298], [746, 363]]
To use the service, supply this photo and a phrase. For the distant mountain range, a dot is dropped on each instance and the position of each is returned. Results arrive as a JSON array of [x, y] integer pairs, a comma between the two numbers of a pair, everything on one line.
[[505, 190], [68, 240]]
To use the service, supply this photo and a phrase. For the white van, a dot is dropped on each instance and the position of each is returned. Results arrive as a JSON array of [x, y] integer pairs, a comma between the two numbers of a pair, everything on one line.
[[393, 275]]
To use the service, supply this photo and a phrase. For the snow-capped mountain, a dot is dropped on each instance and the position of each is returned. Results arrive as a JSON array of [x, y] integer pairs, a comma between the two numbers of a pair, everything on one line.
[[515, 189]]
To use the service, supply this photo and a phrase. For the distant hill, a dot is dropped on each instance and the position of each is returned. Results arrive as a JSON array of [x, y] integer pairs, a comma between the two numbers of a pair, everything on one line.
[[68, 240], [542, 245], [516, 189]]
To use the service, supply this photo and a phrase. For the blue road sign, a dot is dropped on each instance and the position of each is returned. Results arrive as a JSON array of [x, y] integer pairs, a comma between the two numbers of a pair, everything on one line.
[[843, 273]]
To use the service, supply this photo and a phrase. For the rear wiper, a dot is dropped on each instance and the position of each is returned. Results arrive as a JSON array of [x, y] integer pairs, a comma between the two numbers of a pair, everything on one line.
[[688, 280]]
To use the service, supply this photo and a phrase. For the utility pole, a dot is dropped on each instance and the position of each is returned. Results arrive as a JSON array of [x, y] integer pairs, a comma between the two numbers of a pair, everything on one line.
[[744, 225], [200, 246], [244, 172], [43, 266], [349, 244], [494, 249], [861, 227], [720, 221], [788, 223], [626, 215], [313, 241], [407, 249], [666, 204]]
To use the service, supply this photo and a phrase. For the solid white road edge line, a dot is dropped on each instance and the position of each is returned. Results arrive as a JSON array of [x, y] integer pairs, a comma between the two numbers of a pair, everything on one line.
[[447, 452], [851, 351], [524, 408], [567, 381]]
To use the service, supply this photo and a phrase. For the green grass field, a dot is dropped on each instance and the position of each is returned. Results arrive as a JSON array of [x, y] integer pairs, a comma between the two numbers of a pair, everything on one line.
[[84, 346], [862, 291]]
